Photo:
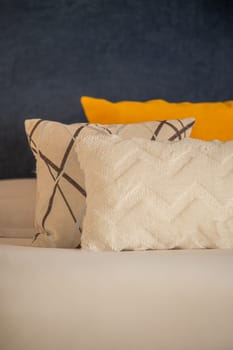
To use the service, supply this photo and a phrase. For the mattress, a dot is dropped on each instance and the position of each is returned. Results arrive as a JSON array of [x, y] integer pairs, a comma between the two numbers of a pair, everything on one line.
[[73, 299]]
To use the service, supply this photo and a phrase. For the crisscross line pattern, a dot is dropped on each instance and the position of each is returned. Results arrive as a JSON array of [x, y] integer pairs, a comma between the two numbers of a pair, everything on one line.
[[61, 193]]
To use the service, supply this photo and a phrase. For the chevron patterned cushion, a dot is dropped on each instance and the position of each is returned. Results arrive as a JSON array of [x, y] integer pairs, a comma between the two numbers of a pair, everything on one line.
[[61, 194], [154, 195]]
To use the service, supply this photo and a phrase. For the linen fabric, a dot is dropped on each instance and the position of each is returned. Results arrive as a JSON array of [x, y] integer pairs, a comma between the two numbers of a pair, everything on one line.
[[56, 299], [60, 199], [214, 120], [154, 195]]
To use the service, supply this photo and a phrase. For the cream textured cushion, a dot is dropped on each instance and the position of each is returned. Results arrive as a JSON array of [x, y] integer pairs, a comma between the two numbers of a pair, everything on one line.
[[60, 203], [154, 195]]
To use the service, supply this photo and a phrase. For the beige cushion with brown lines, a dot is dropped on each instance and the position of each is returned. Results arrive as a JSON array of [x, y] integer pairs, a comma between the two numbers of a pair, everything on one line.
[[60, 203], [154, 195]]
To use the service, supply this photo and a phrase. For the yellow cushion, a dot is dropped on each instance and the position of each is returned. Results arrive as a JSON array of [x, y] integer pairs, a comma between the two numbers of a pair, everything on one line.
[[214, 120]]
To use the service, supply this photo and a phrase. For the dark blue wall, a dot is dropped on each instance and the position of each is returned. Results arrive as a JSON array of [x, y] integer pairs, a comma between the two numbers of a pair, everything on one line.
[[54, 51]]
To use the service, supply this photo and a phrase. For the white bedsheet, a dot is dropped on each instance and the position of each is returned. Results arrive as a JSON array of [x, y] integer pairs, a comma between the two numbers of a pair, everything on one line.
[[71, 299]]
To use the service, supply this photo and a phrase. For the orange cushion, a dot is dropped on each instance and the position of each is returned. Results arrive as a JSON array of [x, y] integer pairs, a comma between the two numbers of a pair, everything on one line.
[[214, 120]]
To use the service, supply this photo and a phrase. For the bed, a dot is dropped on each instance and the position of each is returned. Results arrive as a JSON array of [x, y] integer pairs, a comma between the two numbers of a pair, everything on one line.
[[69, 298], [54, 53]]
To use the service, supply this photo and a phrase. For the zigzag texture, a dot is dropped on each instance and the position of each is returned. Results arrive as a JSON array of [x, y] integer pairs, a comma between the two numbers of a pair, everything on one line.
[[152, 195]]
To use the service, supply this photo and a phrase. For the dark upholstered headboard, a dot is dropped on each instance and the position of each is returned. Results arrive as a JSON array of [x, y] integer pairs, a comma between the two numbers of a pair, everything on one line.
[[54, 51]]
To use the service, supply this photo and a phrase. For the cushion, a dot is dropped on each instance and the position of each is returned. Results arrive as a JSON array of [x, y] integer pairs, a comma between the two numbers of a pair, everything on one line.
[[60, 205], [17, 205], [213, 120], [153, 195]]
